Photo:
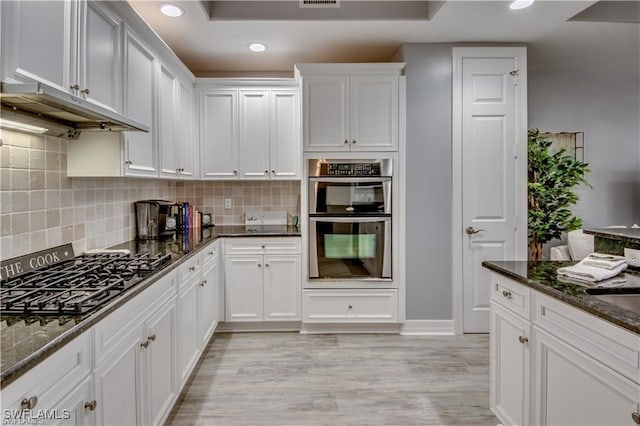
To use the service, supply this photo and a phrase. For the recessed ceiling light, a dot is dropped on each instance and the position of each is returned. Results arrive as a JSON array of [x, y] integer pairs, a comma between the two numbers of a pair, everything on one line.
[[520, 4], [171, 10], [257, 47]]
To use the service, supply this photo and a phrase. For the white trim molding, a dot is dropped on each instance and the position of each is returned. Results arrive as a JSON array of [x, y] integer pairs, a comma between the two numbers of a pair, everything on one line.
[[428, 328]]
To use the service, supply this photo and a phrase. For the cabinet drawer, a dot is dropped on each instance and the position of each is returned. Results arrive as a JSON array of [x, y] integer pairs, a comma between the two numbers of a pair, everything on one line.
[[209, 255], [511, 295], [189, 270], [615, 347], [118, 326], [350, 306], [286, 245], [55, 376]]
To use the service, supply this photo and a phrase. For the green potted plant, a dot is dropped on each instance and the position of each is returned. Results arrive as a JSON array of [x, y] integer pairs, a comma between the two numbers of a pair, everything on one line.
[[552, 178]]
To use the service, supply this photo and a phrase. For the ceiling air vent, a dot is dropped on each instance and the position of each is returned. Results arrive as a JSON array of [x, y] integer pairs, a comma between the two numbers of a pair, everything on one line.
[[318, 4]]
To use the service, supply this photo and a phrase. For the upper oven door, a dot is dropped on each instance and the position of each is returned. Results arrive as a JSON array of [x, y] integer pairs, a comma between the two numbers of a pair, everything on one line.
[[349, 195]]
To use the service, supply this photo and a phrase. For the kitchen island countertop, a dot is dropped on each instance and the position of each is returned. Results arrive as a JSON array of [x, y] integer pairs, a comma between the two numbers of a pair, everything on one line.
[[29, 339], [543, 277]]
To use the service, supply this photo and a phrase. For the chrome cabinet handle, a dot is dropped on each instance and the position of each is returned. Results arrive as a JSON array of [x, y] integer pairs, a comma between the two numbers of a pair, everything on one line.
[[507, 294], [29, 403], [635, 416], [471, 230], [75, 87], [91, 406], [152, 337], [144, 344], [523, 339], [85, 91]]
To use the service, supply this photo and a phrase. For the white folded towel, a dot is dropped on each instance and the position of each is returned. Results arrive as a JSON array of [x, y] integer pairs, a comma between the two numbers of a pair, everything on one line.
[[595, 267], [606, 261]]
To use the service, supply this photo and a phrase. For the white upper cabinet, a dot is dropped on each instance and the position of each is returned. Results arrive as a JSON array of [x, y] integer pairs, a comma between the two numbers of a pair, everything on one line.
[[350, 107], [167, 122], [71, 45], [253, 157], [141, 149], [249, 132], [218, 134], [185, 142]]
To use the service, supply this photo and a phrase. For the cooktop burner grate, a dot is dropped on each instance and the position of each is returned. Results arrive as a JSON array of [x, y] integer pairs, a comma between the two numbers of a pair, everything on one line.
[[78, 285]]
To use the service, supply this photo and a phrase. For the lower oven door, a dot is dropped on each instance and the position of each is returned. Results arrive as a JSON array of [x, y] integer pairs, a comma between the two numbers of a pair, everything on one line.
[[350, 247]]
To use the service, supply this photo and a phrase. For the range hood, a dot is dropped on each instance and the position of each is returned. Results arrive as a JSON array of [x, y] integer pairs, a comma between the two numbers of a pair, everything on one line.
[[59, 113]]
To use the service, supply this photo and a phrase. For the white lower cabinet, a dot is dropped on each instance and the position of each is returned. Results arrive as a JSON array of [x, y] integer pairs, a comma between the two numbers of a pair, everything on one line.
[[358, 305], [210, 294], [553, 364], [262, 283], [136, 382], [189, 345]]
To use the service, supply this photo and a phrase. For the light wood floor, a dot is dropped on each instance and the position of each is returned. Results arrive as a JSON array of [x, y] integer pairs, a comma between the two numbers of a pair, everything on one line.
[[294, 379]]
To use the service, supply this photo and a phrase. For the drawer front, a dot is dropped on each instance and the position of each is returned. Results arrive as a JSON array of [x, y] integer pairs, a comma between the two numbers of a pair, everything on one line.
[[209, 255], [189, 270], [122, 324], [512, 295], [350, 306], [55, 376], [613, 346], [287, 245]]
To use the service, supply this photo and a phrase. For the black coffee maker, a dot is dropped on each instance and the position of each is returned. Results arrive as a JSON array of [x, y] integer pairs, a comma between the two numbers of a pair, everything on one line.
[[154, 219]]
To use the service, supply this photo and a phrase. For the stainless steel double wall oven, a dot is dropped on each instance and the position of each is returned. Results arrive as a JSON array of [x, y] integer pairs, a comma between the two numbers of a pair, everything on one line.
[[350, 215]]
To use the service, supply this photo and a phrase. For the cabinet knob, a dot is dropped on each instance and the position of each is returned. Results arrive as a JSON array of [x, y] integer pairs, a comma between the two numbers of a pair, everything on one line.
[[144, 344], [266, 265], [202, 283], [152, 337], [75, 87], [128, 162], [85, 91], [273, 172], [29, 403], [354, 141], [635, 416], [259, 265], [235, 172], [346, 141], [192, 268], [263, 247], [523, 339], [266, 172], [350, 307], [507, 294], [210, 253], [91, 406]]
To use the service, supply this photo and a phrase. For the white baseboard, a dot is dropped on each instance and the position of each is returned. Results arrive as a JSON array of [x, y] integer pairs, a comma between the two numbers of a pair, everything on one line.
[[428, 328], [258, 326], [349, 328]]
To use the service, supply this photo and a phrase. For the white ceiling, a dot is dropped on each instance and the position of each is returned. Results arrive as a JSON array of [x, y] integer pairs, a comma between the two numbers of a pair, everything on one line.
[[219, 47]]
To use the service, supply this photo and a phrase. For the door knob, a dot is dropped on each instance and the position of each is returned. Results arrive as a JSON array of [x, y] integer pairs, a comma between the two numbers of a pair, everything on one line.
[[471, 230]]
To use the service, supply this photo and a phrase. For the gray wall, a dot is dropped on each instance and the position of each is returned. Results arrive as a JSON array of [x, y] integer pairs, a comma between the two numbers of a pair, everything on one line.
[[606, 106], [602, 103], [428, 166]]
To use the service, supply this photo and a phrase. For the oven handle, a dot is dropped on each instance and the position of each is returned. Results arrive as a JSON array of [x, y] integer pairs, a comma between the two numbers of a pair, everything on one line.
[[348, 179], [350, 219]]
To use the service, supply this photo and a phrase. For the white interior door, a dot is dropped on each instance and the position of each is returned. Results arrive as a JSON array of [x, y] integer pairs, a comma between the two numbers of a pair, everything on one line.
[[490, 157]]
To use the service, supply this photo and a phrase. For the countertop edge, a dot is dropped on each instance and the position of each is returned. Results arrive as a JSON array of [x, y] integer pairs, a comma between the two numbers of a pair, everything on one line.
[[589, 304], [22, 367]]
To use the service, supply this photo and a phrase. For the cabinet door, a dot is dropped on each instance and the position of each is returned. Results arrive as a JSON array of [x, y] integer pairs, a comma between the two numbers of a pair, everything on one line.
[[99, 69], [253, 145], [139, 90], [282, 277], [243, 287], [37, 41], [75, 408], [572, 388], [510, 366], [189, 344], [185, 142], [326, 113], [161, 353], [219, 134], [117, 382], [284, 139], [374, 112], [167, 122], [208, 303]]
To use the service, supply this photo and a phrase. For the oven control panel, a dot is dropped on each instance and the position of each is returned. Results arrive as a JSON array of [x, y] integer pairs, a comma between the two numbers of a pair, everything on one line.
[[350, 169]]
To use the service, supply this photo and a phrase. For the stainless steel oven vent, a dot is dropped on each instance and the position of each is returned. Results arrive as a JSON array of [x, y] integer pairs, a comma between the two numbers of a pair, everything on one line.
[[319, 4]]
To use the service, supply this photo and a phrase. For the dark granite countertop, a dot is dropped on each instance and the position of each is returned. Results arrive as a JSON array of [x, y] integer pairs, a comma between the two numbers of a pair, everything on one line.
[[631, 235], [543, 277], [26, 340]]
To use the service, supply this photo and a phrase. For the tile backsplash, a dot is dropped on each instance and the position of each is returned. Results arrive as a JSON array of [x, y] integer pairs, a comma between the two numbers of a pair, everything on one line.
[[40, 207]]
